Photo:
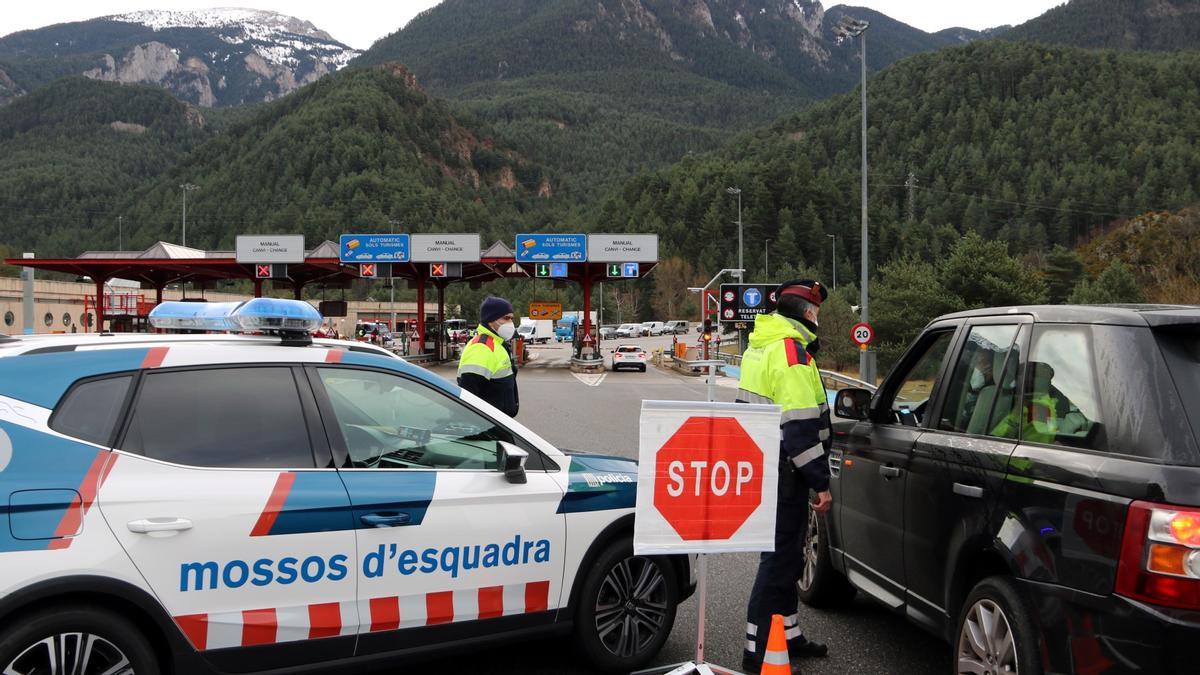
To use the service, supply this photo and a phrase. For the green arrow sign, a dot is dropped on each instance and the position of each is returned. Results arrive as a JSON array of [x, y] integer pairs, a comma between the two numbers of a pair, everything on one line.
[[614, 270], [541, 270]]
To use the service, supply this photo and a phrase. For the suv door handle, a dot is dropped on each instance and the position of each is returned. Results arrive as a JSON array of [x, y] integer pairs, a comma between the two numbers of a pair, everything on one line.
[[968, 490], [889, 472], [386, 519], [151, 525]]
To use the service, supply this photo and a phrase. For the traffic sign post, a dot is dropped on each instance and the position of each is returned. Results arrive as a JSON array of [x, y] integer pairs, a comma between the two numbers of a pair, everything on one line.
[[707, 482]]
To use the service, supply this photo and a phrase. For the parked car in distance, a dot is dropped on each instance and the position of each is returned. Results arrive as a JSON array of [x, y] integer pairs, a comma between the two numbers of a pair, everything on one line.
[[629, 330], [629, 356], [678, 327], [608, 332], [654, 327], [1026, 477]]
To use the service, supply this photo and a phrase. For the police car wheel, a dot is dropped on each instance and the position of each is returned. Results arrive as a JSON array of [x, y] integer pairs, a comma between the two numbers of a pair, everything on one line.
[[821, 585], [77, 640], [996, 633], [626, 608]]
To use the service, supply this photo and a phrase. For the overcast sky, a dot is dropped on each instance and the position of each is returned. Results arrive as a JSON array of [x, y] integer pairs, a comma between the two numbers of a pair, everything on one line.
[[359, 23]]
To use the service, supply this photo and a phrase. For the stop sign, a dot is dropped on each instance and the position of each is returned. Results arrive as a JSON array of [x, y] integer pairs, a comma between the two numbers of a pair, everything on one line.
[[709, 478]]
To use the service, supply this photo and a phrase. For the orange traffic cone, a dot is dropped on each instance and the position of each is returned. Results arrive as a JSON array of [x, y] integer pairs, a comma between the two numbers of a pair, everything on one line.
[[775, 660]]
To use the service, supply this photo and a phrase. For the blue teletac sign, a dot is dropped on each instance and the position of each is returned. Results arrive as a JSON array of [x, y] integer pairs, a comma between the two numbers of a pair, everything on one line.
[[558, 270], [752, 297], [551, 247], [629, 270], [359, 248]]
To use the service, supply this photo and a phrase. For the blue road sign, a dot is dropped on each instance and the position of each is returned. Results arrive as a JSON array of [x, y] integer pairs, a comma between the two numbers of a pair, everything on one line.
[[359, 248], [551, 247], [752, 297], [629, 270], [558, 270]]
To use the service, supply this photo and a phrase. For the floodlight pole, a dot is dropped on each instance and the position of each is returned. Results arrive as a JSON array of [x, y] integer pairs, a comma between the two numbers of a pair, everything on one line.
[[186, 187]]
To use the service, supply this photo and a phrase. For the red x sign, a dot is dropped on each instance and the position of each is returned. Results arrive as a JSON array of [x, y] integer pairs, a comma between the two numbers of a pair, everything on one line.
[[437, 270], [262, 271], [366, 270]]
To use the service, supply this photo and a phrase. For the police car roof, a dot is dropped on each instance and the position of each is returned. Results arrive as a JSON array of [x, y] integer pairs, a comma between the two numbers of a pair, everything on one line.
[[16, 345], [1118, 315]]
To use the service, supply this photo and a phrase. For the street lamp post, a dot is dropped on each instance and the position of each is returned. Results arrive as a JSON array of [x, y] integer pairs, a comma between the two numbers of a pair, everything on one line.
[[392, 289], [853, 28], [186, 187], [741, 267], [120, 233], [767, 260], [833, 256]]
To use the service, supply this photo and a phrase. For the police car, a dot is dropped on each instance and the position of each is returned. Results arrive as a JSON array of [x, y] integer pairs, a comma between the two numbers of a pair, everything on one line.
[[218, 502]]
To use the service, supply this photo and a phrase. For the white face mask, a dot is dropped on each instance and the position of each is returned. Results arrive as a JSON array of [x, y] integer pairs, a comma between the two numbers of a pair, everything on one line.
[[506, 331], [977, 380]]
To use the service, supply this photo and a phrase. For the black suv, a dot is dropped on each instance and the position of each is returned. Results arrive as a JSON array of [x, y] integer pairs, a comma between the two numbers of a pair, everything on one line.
[[1025, 483]]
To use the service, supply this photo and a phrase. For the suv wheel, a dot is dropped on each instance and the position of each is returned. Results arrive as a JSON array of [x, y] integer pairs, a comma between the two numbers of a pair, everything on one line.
[[996, 634], [626, 608], [820, 584], [79, 640]]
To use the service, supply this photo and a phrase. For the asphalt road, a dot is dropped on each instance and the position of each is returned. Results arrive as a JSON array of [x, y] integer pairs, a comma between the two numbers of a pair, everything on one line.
[[600, 414]]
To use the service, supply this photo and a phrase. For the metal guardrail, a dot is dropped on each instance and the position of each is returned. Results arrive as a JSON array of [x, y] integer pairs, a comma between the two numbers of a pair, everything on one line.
[[846, 379]]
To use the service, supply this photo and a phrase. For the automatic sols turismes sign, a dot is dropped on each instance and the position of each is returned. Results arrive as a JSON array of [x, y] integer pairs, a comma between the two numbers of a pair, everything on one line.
[[742, 302]]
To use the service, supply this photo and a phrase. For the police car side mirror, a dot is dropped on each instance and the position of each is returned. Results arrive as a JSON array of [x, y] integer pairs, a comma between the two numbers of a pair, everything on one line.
[[512, 462], [854, 404]]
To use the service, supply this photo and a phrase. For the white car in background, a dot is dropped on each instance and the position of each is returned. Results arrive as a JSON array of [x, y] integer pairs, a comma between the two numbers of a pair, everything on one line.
[[629, 330], [629, 356], [654, 328]]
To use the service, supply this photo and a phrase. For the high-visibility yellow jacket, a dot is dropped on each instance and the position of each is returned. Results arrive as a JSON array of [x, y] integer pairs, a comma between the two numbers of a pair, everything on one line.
[[778, 368], [486, 370]]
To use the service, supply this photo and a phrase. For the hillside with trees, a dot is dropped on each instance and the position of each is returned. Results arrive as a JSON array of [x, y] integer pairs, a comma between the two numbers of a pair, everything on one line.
[[71, 152], [602, 90], [1152, 25], [1028, 145]]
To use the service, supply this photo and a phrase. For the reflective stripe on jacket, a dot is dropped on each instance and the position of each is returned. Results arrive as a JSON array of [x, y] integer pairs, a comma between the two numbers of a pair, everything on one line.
[[777, 368], [486, 370]]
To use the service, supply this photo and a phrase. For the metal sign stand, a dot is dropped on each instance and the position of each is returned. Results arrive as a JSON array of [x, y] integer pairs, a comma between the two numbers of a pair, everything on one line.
[[699, 666]]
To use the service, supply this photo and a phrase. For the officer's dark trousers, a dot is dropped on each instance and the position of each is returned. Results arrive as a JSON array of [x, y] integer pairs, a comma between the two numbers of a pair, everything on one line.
[[774, 589]]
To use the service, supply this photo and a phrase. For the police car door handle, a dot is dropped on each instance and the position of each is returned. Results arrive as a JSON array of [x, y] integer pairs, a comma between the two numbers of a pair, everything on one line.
[[386, 519], [889, 472], [151, 525]]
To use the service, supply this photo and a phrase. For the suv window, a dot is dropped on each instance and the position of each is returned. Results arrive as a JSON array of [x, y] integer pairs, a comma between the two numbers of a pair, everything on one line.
[[221, 417], [89, 411], [911, 399], [979, 384], [1061, 404], [389, 422]]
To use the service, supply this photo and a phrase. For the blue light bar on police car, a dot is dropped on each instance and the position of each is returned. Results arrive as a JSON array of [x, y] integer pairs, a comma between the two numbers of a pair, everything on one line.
[[257, 315]]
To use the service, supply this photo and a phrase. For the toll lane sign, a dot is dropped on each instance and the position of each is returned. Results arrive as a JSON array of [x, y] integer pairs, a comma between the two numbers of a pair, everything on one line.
[[741, 302], [707, 478]]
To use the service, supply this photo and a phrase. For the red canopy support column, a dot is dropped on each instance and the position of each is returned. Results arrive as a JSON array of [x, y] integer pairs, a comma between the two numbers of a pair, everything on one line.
[[587, 309], [100, 304], [420, 311], [441, 319], [158, 290], [258, 288], [298, 290]]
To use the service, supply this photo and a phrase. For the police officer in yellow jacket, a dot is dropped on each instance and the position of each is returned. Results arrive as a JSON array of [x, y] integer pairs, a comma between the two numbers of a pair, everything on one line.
[[486, 367], [778, 367]]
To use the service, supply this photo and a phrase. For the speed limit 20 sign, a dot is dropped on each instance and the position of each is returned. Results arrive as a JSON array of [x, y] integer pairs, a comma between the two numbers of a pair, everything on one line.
[[862, 334]]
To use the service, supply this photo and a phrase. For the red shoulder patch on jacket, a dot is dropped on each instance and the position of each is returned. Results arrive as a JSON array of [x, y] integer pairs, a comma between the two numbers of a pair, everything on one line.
[[486, 340], [797, 355]]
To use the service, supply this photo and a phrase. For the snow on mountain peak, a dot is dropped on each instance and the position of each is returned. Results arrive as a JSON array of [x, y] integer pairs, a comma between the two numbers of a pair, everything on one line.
[[276, 37]]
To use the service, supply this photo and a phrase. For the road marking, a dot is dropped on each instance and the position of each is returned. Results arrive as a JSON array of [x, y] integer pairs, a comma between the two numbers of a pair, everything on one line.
[[590, 379]]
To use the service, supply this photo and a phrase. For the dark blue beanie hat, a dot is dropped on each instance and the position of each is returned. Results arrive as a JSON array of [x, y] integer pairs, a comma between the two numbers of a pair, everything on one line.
[[493, 308]]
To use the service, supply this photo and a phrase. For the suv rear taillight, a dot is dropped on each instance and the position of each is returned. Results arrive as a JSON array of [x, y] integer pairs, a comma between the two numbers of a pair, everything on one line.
[[1160, 555]]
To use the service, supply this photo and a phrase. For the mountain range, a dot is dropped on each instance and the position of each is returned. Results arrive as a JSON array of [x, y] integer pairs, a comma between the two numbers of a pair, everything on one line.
[[207, 58]]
